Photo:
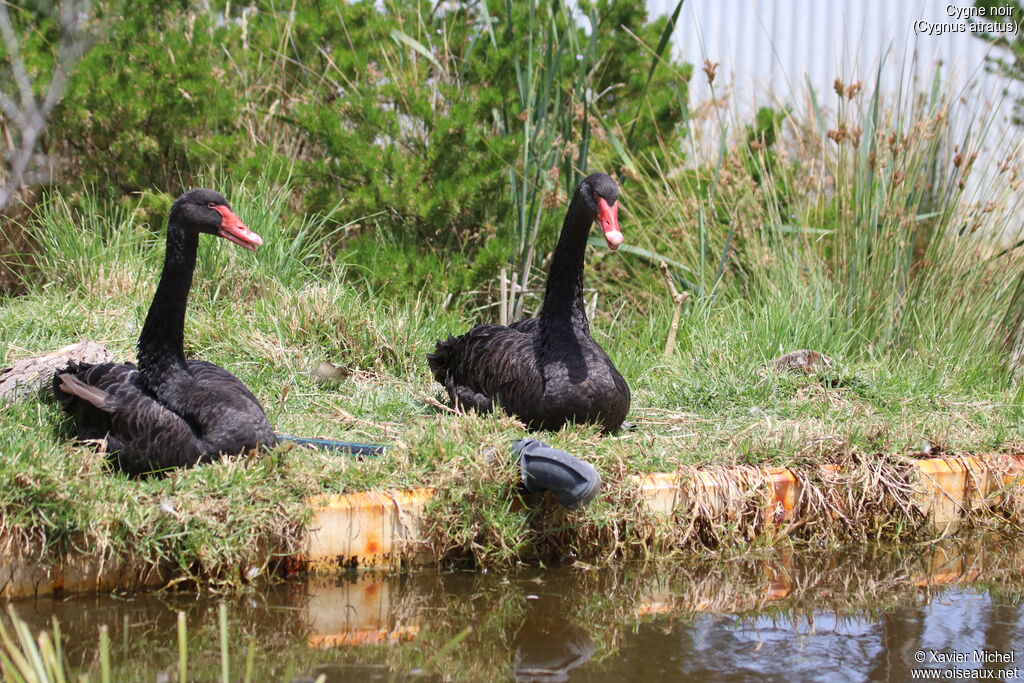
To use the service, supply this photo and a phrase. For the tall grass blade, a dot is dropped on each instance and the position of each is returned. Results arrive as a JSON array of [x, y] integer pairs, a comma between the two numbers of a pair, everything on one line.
[[105, 672], [818, 118], [620, 150], [663, 42], [653, 258], [250, 661], [58, 646], [798, 229], [418, 47], [28, 645], [488, 22], [448, 647], [54, 667], [182, 649], [10, 670], [225, 667], [14, 656], [725, 256]]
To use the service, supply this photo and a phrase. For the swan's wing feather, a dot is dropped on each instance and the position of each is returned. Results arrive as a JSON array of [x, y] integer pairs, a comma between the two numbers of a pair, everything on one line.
[[152, 436], [77, 388], [107, 401], [209, 376], [231, 418], [83, 390], [528, 326], [492, 361], [105, 377]]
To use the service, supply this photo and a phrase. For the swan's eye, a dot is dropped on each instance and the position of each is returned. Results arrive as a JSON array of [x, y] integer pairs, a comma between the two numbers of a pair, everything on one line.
[[210, 205]]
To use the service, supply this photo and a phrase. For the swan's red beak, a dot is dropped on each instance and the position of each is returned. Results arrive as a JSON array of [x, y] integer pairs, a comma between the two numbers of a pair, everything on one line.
[[233, 229], [608, 217]]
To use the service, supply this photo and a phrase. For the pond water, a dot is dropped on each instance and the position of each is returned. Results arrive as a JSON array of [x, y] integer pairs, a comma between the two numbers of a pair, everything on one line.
[[868, 614]]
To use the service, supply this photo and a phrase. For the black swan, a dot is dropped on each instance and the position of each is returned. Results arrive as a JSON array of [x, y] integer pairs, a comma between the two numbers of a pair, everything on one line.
[[169, 412], [548, 370]]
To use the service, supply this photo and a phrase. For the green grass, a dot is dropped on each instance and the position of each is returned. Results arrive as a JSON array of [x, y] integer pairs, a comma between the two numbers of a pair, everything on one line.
[[713, 402]]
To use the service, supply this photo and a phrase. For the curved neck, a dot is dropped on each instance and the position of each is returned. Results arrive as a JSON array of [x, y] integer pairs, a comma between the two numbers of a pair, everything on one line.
[[563, 296], [161, 343]]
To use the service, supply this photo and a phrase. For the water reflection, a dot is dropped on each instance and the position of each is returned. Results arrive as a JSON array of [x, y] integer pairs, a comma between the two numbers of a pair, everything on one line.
[[855, 615], [549, 646]]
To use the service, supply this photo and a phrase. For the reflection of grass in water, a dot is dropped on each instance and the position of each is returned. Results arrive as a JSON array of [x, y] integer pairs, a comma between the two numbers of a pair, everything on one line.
[[470, 625], [139, 648]]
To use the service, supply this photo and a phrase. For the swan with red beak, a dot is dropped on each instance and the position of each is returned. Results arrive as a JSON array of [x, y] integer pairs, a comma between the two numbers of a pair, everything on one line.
[[166, 410], [547, 371]]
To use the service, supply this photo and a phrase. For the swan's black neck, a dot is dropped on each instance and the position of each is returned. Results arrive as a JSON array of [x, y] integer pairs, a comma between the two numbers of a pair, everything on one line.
[[563, 296], [161, 343]]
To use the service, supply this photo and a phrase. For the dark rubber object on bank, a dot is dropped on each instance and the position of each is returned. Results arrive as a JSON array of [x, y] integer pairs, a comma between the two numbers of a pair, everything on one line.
[[573, 482]]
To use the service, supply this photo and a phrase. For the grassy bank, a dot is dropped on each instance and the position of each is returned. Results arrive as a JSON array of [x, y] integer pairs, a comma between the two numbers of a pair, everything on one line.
[[850, 225], [272, 323]]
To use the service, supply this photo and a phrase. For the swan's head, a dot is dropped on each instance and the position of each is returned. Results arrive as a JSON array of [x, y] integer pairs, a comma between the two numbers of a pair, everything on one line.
[[207, 211], [600, 194]]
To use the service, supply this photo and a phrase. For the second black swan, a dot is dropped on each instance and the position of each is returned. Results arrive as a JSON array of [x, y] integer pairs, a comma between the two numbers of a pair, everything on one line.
[[547, 370], [168, 411]]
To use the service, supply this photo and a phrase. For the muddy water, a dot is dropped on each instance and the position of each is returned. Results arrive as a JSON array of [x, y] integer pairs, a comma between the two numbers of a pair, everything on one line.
[[884, 614]]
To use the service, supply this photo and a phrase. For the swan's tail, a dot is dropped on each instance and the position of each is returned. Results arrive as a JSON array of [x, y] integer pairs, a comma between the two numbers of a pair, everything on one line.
[[70, 384], [347, 447], [441, 361]]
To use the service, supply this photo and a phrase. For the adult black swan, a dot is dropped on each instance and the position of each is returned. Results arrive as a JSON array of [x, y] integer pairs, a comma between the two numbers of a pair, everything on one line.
[[548, 370], [169, 412]]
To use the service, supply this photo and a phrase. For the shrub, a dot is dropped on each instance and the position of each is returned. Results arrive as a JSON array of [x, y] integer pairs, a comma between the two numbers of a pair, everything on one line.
[[414, 117], [146, 97]]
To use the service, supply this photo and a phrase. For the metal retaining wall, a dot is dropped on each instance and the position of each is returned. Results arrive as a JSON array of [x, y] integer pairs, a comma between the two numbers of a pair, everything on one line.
[[383, 529]]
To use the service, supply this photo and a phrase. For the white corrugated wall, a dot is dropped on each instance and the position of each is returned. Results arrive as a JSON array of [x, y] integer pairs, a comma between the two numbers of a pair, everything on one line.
[[765, 48], [767, 51]]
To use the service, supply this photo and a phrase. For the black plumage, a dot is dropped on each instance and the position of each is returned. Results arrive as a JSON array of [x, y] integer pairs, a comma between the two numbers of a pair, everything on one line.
[[168, 411], [548, 370]]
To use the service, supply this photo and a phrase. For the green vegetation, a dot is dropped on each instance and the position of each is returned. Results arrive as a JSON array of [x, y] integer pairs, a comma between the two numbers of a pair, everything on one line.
[[394, 161], [418, 119]]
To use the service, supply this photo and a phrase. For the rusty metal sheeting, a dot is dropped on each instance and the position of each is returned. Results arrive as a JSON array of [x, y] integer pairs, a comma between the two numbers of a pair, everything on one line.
[[381, 530], [945, 488], [948, 487], [386, 529], [27, 578], [376, 529]]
